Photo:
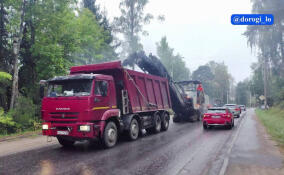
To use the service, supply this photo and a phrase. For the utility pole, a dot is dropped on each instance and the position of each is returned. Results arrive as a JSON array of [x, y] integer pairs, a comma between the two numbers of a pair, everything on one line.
[[264, 71], [227, 96]]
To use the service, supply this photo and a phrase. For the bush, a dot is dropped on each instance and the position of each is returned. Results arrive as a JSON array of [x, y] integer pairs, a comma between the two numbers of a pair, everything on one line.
[[24, 113], [7, 125]]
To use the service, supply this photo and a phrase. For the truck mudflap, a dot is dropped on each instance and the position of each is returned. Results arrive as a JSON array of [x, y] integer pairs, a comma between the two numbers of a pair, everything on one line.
[[83, 130]]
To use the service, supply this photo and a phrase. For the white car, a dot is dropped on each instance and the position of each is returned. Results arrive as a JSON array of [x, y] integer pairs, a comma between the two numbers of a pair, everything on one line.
[[235, 109]]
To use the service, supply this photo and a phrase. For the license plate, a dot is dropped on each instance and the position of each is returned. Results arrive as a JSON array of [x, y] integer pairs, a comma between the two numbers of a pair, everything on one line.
[[215, 116], [62, 132]]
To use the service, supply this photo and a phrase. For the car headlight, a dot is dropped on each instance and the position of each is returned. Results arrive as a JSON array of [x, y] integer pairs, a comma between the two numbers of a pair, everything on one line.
[[85, 128], [45, 126]]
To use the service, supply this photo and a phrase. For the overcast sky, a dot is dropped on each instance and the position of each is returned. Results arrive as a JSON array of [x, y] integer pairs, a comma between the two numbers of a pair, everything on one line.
[[200, 30]]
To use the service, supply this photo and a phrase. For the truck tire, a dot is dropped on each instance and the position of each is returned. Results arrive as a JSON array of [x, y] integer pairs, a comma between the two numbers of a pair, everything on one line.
[[176, 119], [109, 138], [65, 142], [157, 125], [165, 122], [198, 116], [134, 129]]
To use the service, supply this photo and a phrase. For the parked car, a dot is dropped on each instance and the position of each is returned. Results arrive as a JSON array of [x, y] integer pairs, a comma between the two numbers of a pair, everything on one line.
[[218, 116], [243, 107], [236, 110]]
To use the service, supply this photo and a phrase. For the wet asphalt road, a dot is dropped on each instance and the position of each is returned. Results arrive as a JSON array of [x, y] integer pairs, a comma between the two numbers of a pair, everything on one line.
[[184, 149]]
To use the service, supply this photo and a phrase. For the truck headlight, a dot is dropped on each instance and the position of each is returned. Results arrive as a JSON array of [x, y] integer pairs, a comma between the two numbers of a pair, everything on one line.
[[85, 128], [45, 126]]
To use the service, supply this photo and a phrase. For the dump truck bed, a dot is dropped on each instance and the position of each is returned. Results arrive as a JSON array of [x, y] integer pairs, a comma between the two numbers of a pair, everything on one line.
[[145, 92]]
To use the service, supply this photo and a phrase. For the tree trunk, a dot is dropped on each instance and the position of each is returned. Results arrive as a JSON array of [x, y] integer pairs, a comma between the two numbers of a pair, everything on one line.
[[16, 50]]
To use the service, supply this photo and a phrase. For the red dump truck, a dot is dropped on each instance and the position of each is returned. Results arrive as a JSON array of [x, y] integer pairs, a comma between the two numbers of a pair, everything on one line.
[[101, 101]]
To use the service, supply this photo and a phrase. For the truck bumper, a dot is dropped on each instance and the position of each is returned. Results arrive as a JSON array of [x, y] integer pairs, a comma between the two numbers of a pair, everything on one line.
[[73, 130]]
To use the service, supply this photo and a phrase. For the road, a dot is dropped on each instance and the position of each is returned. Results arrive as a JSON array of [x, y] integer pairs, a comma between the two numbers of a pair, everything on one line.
[[184, 149]]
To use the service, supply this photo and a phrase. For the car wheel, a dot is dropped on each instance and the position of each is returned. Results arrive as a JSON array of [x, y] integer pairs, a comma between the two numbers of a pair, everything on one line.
[[134, 129], [228, 126], [65, 142], [205, 127], [165, 122], [110, 135]]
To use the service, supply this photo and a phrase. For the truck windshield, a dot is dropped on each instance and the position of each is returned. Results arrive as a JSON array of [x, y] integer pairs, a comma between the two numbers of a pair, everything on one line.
[[69, 88]]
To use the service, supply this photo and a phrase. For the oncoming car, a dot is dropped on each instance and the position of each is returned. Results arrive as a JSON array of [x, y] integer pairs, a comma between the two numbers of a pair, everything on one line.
[[218, 116]]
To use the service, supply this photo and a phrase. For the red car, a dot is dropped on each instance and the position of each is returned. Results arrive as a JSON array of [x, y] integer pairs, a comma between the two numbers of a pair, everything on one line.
[[218, 116]]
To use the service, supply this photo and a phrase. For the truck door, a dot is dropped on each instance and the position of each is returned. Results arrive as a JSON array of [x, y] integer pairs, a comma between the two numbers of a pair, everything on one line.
[[101, 100]]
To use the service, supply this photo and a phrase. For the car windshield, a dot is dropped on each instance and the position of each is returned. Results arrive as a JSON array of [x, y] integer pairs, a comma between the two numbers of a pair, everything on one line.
[[214, 111], [69, 88], [231, 106]]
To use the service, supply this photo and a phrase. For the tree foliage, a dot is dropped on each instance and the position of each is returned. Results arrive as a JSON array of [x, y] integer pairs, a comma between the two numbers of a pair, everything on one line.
[[242, 93], [130, 24], [216, 81], [56, 35], [268, 41], [173, 63]]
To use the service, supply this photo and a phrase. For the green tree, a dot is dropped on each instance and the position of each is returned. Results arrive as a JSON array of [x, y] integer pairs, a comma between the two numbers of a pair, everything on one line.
[[130, 24], [5, 82], [242, 93], [270, 48], [4, 47], [173, 63], [205, 75], [108, 51]]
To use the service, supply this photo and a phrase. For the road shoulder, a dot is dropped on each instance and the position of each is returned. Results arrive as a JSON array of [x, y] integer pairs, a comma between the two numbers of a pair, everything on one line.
[[255, 152]]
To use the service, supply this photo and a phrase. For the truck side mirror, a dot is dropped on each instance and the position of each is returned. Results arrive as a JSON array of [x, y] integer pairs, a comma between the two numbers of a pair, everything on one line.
[[42, 85], [41, 91]]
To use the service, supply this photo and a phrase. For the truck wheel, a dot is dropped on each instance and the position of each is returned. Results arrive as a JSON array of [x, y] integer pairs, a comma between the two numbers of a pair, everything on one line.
[[110, 135], [133, 132], [165, 122], [176, 119], [157, 125], [64, 142], [198, 116]]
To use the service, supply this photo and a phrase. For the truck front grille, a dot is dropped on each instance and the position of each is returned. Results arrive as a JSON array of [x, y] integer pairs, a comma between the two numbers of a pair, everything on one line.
[[64, 115]]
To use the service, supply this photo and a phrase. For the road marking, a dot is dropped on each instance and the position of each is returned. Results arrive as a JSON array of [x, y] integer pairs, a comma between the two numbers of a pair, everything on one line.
[[226, 160]]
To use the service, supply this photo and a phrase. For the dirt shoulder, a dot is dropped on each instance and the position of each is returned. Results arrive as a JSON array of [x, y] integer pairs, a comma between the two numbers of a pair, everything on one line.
[[20, 135], [255, 153]]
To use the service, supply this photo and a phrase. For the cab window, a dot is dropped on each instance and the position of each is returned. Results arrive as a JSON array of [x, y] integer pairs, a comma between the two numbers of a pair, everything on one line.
[[101, 88]]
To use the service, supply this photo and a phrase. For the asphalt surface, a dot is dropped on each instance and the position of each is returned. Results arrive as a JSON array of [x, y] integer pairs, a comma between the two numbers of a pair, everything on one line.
[[184, 149]]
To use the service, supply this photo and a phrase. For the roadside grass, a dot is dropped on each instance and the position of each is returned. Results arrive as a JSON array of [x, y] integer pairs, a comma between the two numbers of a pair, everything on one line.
[[273, 120], [27, 133]]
